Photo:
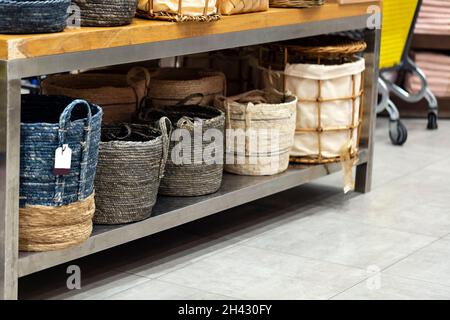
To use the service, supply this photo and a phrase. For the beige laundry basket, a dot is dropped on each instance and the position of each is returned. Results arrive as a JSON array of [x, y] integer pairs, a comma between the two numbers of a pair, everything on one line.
[[326, 76], [329, 110], [260, 131]]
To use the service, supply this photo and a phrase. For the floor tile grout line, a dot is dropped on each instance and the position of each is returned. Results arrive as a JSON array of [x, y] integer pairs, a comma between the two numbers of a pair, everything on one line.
[[171, 283], [108, 296], [304, 257], [391, 228], [349, 288], [410, 254], [194, 288], [415, 279], [381, 273]]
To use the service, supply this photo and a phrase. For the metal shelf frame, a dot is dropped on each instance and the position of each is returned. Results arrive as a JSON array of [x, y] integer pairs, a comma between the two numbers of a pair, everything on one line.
[[236, 190]]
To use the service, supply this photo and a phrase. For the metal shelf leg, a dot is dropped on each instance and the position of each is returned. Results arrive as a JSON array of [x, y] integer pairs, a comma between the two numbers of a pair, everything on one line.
[[9, 182], [363, 181]]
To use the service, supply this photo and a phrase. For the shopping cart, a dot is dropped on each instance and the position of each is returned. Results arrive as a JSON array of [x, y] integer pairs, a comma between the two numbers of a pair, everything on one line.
[[399, 18]]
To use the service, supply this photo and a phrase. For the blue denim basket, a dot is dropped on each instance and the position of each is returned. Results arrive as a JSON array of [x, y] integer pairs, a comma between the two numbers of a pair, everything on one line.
[[48, 122], [33, 16]]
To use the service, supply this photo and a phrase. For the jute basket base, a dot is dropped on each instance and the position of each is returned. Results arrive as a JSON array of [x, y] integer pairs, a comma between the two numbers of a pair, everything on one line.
[[46, 228]]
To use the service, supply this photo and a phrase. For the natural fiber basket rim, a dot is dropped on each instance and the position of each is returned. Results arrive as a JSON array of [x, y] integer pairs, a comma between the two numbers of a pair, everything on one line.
[[166, 111], [236, 103], [81, 78]]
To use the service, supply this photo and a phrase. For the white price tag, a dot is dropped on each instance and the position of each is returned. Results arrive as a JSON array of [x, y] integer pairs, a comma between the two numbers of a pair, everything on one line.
[[63, 159]]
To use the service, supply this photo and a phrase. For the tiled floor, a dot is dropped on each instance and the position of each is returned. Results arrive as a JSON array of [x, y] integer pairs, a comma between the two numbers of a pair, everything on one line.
[[312, 242]]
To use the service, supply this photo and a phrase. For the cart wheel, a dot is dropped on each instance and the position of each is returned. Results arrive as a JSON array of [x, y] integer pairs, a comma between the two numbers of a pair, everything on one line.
[[432, 121], [398, 132]]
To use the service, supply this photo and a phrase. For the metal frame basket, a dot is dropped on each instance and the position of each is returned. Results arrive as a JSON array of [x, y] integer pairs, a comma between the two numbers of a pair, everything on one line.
[[326, 50]]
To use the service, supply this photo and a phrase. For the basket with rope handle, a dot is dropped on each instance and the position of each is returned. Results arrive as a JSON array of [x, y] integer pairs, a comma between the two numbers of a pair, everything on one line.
[[132, 159], [56, 208], [191, 174]]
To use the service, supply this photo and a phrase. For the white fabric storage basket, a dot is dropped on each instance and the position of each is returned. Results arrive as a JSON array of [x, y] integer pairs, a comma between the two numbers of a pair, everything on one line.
[[329, 109], [267, 121]]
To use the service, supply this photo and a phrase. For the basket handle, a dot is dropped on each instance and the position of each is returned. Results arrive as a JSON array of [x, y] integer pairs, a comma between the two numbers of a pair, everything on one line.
[[165, 126], [113, 136], [184, 101], [64, 121], [131, 76]]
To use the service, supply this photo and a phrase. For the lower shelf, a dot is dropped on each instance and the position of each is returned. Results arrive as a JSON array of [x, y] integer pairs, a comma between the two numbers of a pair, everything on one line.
[[170, 212]]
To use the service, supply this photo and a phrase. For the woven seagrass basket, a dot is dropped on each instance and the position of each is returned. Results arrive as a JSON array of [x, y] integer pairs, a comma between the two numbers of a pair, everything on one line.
[[56, 210], [131, 164], [106, 13], [170, 85], [187, 172], [268, 121], [33, 16], [118, 94], [295, 3]]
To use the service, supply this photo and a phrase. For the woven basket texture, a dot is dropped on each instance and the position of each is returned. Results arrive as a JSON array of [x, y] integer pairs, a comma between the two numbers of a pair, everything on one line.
[[178, 10], [119, 96], [106, 13], [44, 228], [295, 3], [48, 122], [38, 16], [170, 85], [228, 7], [131, 164], [259, 111], [196, 178]]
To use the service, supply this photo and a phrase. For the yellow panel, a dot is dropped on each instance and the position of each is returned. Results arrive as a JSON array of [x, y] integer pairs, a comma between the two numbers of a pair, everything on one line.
[[398, 16]]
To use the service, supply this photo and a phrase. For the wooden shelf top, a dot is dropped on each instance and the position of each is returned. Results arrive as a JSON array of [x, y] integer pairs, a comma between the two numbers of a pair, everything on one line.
[[144, 31]]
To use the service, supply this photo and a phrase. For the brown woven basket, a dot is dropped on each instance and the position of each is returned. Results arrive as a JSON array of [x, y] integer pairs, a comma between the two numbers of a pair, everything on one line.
[[296, 3], [171, 85], [45, 228], [119, 95], [153, 9]]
